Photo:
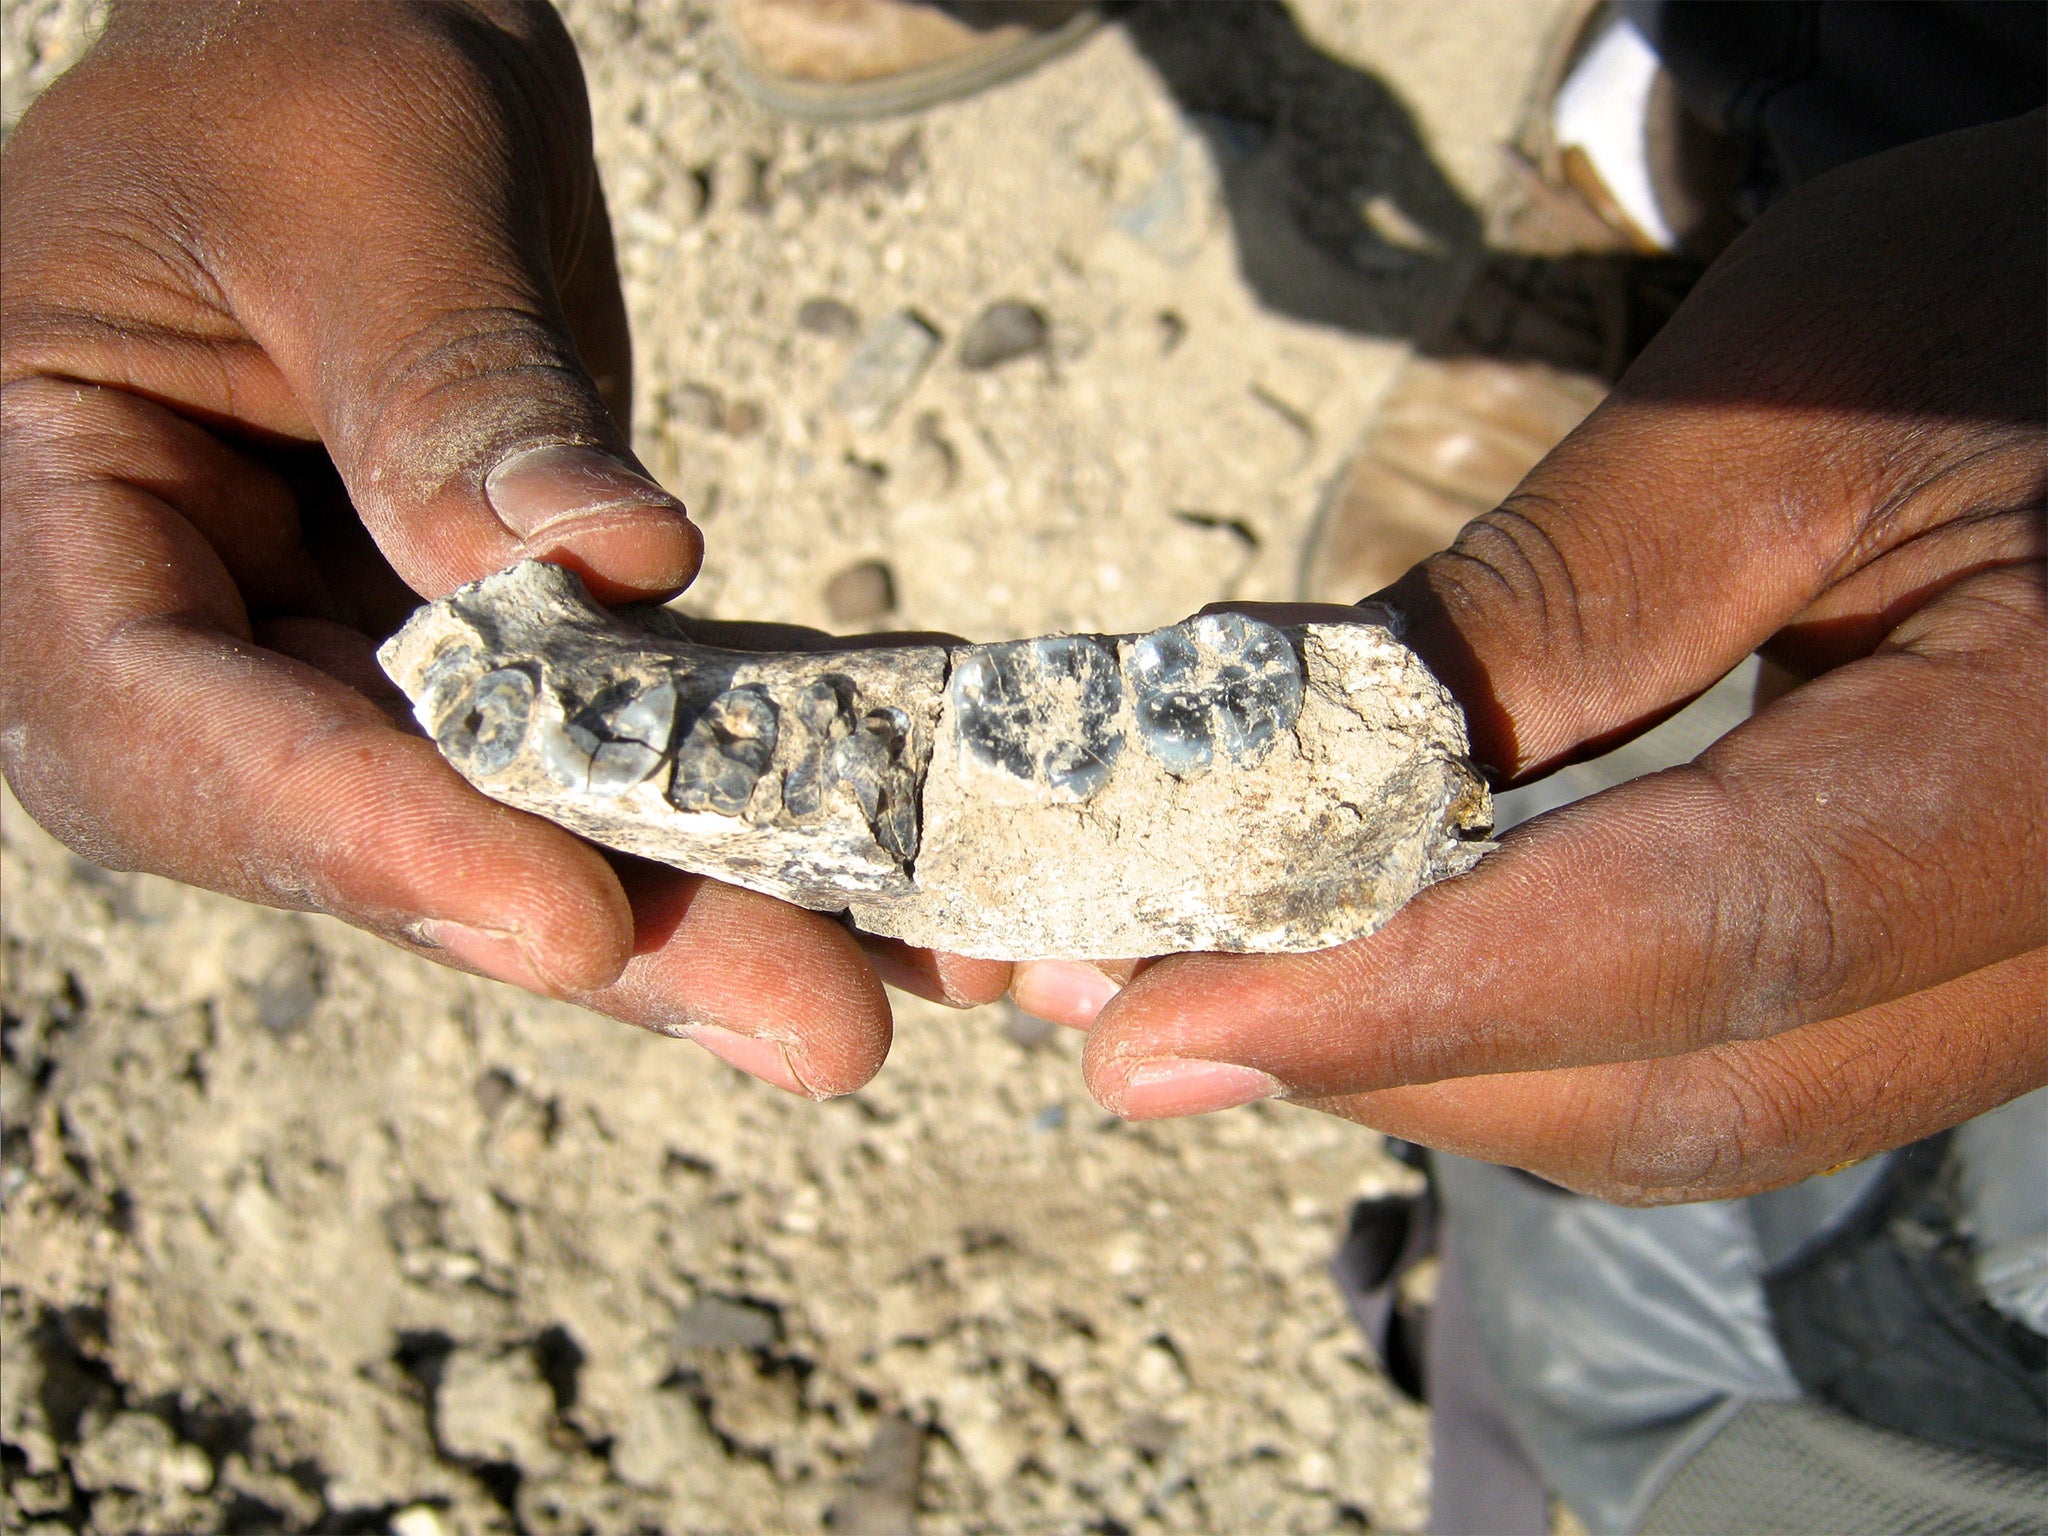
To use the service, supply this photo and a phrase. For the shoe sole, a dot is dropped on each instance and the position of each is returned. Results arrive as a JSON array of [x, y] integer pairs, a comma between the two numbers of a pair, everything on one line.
[[912, 91]]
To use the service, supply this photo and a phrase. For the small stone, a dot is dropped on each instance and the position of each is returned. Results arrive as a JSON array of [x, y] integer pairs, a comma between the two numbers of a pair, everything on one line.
[[861, 593], [1005, 330], [881, 1498], [1042, 711], [494, 1408], [716, 1323], [884, 369], [828, 317], [1172, 216], [289, 990], [1150, 1435], [137, 1452], [697, 405], [419, 1520]]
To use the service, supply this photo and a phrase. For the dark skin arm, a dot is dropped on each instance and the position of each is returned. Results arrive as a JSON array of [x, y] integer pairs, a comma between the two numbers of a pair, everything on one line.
[[309, 312], [1824, 937]]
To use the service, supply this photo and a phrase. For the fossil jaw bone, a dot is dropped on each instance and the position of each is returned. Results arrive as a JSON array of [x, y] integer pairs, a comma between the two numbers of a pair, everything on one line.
[[1220, 784]]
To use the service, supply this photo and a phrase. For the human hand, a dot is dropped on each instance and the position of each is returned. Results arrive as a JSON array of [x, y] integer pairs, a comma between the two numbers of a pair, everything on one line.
[[310, 311], [1823, 938]]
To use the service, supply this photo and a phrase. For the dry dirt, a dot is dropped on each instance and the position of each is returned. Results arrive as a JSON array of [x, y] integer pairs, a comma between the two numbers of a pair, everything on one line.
[[301, 1233]]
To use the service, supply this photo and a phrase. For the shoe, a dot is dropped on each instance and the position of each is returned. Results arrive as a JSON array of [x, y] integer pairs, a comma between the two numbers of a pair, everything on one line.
[[1610, 158], [848, 60], [1571, 288]]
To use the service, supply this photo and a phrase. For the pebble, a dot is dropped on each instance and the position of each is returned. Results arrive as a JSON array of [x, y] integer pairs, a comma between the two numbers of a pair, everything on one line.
[[881, 1498], [861, 593], [884, 369], [137, 1452], [1002, 332], [494, 1408], [696, 405], [289, 990], [715, 1323], [699, 405], [419, 1520], [828, 317]]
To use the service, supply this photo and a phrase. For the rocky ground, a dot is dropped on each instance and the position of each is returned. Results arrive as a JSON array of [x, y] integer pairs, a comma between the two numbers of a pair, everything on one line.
[[301, 1233]]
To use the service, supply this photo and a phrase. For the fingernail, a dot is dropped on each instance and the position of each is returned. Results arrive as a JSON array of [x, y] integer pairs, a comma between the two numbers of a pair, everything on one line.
[[1377, 610], [1169, 1086], [1065, 991], [493, 951], [537, 489], [766, 1059]]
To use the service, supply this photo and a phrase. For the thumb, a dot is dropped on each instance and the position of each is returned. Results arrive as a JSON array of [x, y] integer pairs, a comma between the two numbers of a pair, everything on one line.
[[1786, 453], [470, 435], [425, 330]]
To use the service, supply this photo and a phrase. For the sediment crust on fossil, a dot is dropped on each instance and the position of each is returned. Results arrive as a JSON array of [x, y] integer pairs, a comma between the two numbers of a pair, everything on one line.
[[1220, 784]]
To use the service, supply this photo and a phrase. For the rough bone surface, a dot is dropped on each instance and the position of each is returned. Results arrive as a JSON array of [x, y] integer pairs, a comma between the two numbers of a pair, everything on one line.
[[1220, 784]]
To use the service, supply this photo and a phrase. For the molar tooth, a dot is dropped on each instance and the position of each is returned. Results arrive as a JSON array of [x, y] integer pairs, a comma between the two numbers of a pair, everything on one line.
[[1221, 681], [612, 742], [727, 750], [484, 734], [869, 761], [616, 766], [566, 749], [826, 709], [648, 719], [1044, 711]]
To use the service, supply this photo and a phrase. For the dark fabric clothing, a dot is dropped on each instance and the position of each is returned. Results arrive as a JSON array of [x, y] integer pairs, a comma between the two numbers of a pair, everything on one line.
[[1886, 1323], [1810, 85]]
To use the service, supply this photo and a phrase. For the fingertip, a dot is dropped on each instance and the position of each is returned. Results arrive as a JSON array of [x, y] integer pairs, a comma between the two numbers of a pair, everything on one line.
[[793, 983], [765, 1060], [639, 554], [560, 927], [1069, 992], [1173, 1087], [972, 983], [952, 981], [589, 510]]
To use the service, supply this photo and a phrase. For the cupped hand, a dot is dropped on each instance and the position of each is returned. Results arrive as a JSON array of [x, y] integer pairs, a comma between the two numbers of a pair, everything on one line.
[[1823, 938], [309, 312]]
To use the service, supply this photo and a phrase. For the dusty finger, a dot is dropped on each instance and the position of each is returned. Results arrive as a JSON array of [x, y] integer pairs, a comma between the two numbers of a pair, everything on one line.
[[1752, 1115], [957, 981], [783, 994], [1839, 851], [145, 726]]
